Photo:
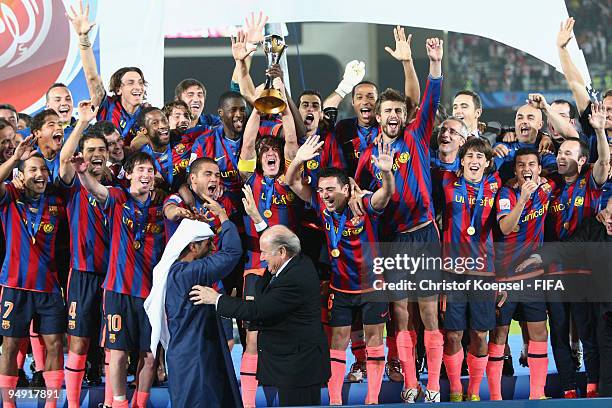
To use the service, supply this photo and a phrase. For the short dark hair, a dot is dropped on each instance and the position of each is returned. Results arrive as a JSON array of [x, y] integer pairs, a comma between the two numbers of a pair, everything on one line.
[[475, 97], [115, 80], [55, 85], [363, 83], [167, 109], [8, 106], [137, 158], [21, 164], [199, 162], [5, 123], [572, 107], [188, 83], [26, 118], [103, 128], [584, 147], [141, 120], [339, 174], [91, 136], [606, 94], [527, 151], [311, 92], [274, 142], [480, 145], [40, 118], [226, 96], [392, 95]]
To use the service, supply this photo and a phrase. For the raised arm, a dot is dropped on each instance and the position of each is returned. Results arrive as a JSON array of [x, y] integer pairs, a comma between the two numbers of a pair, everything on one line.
[[275, 71], [561, 125], [97, 190], [254, 28], [248, 155], [240, 52], [87, 112], [291, 143], [82, 26], [403, 53], [353, 74], [597, 119], [384, 162], [308, 151], [572, 74]]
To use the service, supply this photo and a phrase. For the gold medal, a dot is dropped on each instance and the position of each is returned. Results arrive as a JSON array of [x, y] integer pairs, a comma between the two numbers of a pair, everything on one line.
[[471, 230], [566, 225], [136, 245], [335, 252], [267, 213], [33, 240]]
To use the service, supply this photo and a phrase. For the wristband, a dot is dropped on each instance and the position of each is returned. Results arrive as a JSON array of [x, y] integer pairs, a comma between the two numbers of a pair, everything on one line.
[[84, 42], [246, 166], [260, 226]]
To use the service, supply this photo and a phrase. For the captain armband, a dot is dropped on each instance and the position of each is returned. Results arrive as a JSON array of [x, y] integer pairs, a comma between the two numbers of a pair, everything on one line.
[[247, 166]]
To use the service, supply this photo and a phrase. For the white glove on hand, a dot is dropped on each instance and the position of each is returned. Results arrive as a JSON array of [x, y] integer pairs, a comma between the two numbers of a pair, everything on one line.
[[353, 74]]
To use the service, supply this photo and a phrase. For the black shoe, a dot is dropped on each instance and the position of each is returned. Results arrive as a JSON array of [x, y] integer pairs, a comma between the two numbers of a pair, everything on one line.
[[93, 376], [22, 381], [38, 381], [508, 369]]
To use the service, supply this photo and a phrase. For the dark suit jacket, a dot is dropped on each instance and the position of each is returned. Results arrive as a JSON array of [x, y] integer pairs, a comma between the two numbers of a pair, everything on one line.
[[292, 346]]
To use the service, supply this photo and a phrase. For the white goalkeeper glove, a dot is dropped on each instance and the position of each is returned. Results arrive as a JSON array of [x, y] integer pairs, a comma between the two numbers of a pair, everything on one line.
[[353, 74]]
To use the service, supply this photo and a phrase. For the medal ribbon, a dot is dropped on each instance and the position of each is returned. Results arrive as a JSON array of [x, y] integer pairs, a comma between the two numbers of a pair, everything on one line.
[[473, 211], [169, 164], [335, 236], [268, 191], [227, 150], [569, 208], [139, 222], [32, 227], [129, 122]]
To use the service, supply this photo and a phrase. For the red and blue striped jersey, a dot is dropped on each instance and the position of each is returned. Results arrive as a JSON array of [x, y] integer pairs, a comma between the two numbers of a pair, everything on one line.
[[206, 119], [130, 266], [30, 228], [353, 270], [53, 166], [226, 152], [505, 165], [528, 235], [354, 139], [172, 163], [284, 206], [412, 203], [456, 219], [89, 240], [112, 110], [210, 218], [270, 125], [330, 156], [563, 217], [605, 194]]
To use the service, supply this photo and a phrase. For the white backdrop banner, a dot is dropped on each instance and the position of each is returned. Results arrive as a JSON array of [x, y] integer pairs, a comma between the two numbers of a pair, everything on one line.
[[528, 25]]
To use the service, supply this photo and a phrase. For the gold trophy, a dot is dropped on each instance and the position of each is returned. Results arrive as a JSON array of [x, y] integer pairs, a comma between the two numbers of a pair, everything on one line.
[[271, 101]]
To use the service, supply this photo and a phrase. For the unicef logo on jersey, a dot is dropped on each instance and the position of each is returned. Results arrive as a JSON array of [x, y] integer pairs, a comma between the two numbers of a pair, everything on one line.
[[35, 49]]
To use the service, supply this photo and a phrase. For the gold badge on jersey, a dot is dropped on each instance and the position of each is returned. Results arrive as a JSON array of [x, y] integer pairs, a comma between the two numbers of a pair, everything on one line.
[[355, 221], [494, 187], [404, 157], [6, 324], [579, 201], [111, 338], [71, 324], [53, 210], [179, 148], [48, 228], [312, 165], [546, 188]]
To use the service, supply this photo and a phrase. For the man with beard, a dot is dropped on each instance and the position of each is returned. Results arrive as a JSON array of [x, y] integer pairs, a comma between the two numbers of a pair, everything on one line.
[[49, 136], [408, 220], [528, 123], [89, 249], [7, 140], [223, 143], [29, 277], [356, 134], [171, 157], [452, 135], [521, 205], [127, 84], [59, 98], [136, 244], [577, 194], [352, 244], [193, 93], [262, 166]]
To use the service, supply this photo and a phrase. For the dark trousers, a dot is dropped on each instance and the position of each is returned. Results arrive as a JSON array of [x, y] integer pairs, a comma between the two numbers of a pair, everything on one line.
[[299, 396], [604, 339], [584, 316]]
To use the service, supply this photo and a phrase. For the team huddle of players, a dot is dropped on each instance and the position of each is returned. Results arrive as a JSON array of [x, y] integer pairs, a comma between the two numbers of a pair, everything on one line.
[[396, 178]]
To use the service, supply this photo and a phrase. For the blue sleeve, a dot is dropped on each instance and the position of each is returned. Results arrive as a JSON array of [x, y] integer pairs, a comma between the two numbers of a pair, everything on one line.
[[549, 162]]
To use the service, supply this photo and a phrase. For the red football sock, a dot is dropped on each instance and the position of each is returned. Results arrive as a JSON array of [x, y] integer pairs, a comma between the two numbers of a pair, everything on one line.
[[54, 380], [405, 351], [592, 387], [75, 371], [476, 368], [21, 354], [358, 348], [392, 347], [120, 404], [8, 383], [338, 368], [434, 348], [38, 351], [537, 358], [108, 388], [375, 364], [248, 381], [140, 399], [453, 371], [495, 365]]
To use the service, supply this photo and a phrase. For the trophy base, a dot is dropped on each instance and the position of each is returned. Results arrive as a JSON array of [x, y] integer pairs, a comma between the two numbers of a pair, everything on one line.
[[270, 102]]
